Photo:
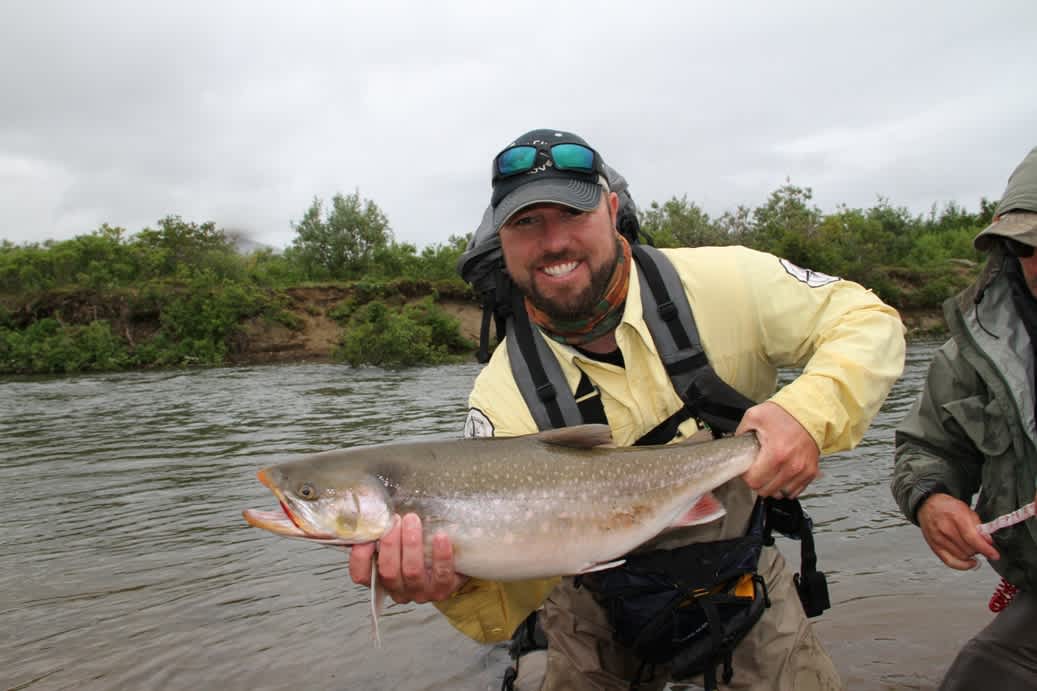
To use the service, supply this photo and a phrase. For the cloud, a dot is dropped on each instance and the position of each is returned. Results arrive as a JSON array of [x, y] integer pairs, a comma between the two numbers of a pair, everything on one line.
[[242, 113]]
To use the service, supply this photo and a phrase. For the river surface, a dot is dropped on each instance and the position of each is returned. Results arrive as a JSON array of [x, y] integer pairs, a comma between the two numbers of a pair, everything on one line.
[[125, 563]]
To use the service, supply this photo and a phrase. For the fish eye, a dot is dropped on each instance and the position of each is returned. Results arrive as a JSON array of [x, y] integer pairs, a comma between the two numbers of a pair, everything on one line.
[[307, 491]]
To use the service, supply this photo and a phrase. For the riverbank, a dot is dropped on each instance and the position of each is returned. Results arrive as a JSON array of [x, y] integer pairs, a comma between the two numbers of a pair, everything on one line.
[[317, 334], [170, 325]]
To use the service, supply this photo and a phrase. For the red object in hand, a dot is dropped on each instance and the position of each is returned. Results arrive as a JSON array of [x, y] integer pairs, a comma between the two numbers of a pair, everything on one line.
[[1002, 596]]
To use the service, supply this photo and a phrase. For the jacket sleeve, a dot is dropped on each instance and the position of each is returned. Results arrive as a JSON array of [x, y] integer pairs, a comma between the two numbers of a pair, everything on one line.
[[490, 611], [849, 343], [933, 452]]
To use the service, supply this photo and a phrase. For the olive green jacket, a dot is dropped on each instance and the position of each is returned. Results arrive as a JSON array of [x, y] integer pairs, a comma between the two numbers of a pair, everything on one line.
[[972, 427]]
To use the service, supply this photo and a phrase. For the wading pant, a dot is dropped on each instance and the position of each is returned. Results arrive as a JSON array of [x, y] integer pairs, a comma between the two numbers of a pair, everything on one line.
[[1002, 656], [780, 652]]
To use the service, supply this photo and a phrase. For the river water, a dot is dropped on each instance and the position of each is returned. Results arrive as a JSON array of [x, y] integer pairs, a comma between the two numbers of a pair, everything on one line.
[[125, 563]]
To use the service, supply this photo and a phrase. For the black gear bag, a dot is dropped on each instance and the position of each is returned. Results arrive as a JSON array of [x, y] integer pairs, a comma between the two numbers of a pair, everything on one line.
[[688, 607]]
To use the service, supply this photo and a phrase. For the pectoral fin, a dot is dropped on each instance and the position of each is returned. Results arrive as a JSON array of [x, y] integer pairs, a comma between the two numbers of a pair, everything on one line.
[[705, 509]]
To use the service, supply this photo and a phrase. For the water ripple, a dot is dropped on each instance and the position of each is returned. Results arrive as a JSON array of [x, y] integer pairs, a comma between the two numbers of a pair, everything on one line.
[[125, 563]]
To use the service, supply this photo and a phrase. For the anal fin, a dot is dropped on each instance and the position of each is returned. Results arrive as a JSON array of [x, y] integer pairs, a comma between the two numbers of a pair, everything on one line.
[[603, 567]]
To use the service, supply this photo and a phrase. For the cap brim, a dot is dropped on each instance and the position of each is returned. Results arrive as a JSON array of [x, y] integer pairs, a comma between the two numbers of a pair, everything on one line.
[[1018, 225], [577, 194]]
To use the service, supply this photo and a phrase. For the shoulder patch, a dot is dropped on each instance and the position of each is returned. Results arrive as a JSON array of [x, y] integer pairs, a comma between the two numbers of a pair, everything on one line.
[[814, 279], [477, 424]]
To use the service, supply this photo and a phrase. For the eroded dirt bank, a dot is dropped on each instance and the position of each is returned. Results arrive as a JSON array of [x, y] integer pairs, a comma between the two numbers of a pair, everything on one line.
[[264, 341]]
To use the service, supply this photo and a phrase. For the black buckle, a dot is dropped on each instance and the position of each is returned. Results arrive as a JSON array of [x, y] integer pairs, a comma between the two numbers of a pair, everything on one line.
[[667, 310], [786, 516], [813, 592]]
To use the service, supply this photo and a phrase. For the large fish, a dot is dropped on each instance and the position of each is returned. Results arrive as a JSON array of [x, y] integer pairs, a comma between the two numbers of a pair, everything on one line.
[[550, 504]]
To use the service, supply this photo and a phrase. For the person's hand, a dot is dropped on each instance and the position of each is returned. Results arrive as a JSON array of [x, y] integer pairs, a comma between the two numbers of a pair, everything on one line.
[[788, 458], [949, 526], [402, 571]]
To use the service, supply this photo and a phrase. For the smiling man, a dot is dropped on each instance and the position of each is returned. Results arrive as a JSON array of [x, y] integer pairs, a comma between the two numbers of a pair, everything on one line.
[[741, 315]]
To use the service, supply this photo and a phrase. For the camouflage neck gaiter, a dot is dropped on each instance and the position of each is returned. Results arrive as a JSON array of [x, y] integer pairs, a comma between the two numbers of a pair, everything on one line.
[[605, 316]]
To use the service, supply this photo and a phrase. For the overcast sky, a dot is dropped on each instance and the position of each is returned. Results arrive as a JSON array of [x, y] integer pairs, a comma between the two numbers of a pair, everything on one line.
[[242, 112]]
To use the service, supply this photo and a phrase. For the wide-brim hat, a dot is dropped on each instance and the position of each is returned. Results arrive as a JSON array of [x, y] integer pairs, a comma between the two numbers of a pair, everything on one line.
[[1016, 213], [1017, 225]]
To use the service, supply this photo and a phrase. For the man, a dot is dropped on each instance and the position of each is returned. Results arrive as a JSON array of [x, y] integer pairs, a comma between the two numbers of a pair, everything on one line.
[[972, 430], [556, 218]]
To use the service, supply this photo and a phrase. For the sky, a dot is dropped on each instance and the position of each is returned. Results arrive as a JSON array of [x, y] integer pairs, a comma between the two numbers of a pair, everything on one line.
[[243, 113]]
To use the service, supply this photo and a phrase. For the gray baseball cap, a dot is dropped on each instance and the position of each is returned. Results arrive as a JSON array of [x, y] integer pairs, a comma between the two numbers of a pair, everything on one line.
[[1016, 214], [544, 182]]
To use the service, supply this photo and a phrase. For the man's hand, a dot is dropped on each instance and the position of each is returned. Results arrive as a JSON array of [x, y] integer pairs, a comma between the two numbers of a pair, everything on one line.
[[788, 459], [949, 526], [401, 564]]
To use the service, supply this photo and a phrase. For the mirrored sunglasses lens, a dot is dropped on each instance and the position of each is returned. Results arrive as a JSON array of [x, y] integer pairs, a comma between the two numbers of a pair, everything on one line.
[[572, 156], [516, 160]]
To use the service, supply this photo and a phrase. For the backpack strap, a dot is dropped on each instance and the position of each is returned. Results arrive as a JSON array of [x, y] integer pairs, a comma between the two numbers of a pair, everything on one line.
[[537, 373], [669, 318], [787, 517]]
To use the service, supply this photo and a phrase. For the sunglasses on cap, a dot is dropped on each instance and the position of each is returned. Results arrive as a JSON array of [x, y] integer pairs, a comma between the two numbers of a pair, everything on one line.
[[1017, 249], [523, 158]]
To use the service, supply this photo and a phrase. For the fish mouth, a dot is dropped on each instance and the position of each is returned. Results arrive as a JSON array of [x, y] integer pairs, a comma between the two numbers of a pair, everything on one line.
[[284, 522], [281, 523]]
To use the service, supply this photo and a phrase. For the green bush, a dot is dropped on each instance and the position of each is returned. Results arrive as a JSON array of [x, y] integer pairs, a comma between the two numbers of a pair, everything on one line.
[[290, 320], [343, 311], [365, 291], [48, 346], [380, 336], [444, 330], [197, 322], [420, 334]]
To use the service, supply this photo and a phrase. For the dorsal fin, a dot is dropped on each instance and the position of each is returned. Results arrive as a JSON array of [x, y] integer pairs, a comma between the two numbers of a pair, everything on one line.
[[577, 436]]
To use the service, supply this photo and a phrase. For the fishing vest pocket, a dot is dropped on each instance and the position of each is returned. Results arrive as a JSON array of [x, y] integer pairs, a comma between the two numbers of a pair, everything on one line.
[[688, 607]]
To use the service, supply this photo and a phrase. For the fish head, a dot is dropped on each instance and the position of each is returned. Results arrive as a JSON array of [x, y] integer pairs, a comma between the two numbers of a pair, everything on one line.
[[346, 507]]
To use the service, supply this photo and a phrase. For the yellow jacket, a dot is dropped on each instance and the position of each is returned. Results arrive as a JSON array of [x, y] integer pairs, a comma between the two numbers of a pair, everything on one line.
[[755, 313]]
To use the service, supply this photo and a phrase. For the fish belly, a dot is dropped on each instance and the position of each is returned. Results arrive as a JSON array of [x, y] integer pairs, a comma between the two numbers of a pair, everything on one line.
[[542, 543]]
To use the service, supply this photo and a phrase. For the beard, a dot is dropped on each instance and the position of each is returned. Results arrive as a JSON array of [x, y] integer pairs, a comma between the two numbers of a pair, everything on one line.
[[578, 306]]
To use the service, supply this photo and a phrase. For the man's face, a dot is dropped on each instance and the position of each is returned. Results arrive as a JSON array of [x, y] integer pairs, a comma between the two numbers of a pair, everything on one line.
[[1029, 267], [562, 258]]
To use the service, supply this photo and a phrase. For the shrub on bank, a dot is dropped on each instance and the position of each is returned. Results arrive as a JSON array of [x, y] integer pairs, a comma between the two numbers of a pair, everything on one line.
[[418, 334], [50, 347], [185, 324]]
